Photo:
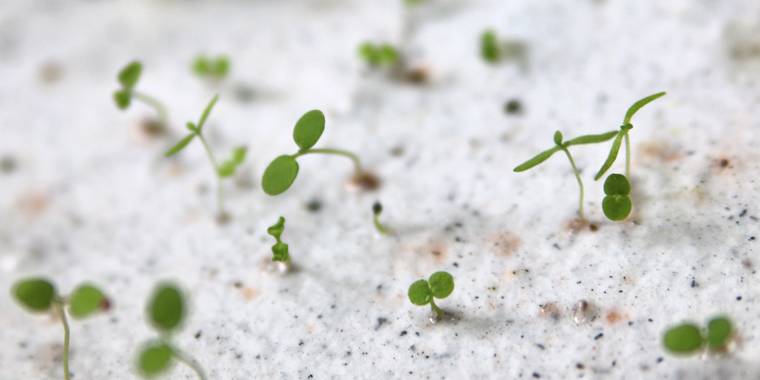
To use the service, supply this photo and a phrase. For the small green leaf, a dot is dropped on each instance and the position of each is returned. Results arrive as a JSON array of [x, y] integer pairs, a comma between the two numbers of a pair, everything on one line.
[[591, 139], [640, 103], [683, 339], [611, 157], [85, 300], [370, 53], [309, 129], [539, 158], [34, 294], [617, 184], [191, 127], [122, 98], [388, 54], [201, 66], [180, 145], [206, 112], [616, 207], [276, 229], [279, 175], [280, 252], [238, 155], [441, 284], [489, 46], [558, 137], [130, 74], [155, 358], [226, 169], [166, 308], [719, 332], [221, 67], [419, 293]]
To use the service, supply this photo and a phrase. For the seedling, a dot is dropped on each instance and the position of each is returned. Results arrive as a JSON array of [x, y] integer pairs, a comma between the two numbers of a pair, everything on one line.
[[413, 2], [559, 145], [210, 68], [379, 55], [128, 78], [166, 311], [38, 295], [495, 50], [687, 338], [377, 210], [280, 251], [617, 201], [489, 47], [225, 169], [423, 292], [282, 172], [623, 134]]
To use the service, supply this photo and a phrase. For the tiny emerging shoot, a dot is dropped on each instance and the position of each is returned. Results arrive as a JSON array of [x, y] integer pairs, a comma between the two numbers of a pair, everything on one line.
[[623, 135], [280, 252], [283, 170], [423, 292], [560, 145], [38, 295], [166, 312], [379, 55], [687, 338], [128, 78], [377, 210], [490, 50], [211, 68], [617, 201], [222, 170]]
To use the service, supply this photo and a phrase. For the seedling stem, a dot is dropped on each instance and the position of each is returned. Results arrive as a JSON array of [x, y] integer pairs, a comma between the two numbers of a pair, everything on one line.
[[189, 361], [212, 160], [577, 174], [354, 158], [156, 104], [58, 305], [627, 155], [437, 312]]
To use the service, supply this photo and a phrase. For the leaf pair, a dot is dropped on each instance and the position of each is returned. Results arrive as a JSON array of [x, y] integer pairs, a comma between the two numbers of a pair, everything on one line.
[[212, 68], [195, 129], [279, 249], [165, 311], [559, 145], [377, 55], [38, 295], [128, 78], [688, 338], [617, 202], [439, 285]]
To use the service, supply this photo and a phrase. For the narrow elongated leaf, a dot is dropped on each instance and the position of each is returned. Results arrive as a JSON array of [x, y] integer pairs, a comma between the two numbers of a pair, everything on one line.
[[206, 112], [640, 103], [611, 157], [539, 158], [591, 139], [180, 145], [226, 169]]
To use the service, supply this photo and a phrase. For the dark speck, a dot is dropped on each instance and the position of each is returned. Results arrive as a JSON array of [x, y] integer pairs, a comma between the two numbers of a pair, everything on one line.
[[580, 366], [198, 334], [738, 298], [598, 336], [513, 107], [402, 333], [314, 205], [380, 322], [536, 375], [7, 164]]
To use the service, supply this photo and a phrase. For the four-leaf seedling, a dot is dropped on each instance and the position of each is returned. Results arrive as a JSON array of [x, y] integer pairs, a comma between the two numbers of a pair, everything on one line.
[[423, 292], [128, 78], [166, 311], [687, 338], [280, 252], [38, 295], [210, 68]]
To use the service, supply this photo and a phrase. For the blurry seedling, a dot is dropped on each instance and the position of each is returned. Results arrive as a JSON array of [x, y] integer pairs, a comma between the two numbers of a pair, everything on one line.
[[226, 169], [38, 295], [377, 210], [489, 46], [687, 338], [423, 292], [623, 134], [280, 252], [379, 55], [559, 145], [282, 171], [494, 50], [166, 311], [211, 68], [128, 78], [617, 201], [413, 2]]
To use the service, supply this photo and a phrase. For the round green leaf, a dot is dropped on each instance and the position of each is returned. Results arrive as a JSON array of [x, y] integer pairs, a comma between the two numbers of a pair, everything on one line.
[[35, 294], [130, 74], [617, 184], [441, 284], [719, 331], [683, 339], [617, 207], [309, 129], [166, 308], [122, 98], [419, 293], [155, 358], [557, 137], [85, 300], [279, 175]]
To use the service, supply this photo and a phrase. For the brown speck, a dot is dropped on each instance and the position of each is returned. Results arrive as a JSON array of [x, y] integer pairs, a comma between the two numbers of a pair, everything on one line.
[[223, 217], [593, 227], [506, 243], [249, 293], [148, 129], [581, 311], [397, 151], [656, 152], [33, 203], [613, 316], [417, 75], [576, 225], [747, 263], [50, 72], [105, 304], [364, 181], [550, 310]]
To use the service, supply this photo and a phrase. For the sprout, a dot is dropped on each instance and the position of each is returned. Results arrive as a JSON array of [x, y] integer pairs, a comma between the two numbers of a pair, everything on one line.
[[280, 251], [489, 47], [166, 310], [214, 69], [617, 201], [687, 338], [128, 78], [38, 295], [379, 55], [423, 292], [377, 210], [226, 169], [282, 171]]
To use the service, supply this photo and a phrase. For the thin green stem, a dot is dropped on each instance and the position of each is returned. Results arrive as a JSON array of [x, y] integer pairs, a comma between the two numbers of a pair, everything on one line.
[[163, 115], [436, 310], [580, 182], [354, 158], [190, 362], [212, 160], [627, 156], [58, 304], [379, 226]]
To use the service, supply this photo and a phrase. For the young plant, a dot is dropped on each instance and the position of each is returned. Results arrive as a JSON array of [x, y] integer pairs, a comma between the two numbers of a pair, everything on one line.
[[210, 68], [563, 146], [377, 210], [490, 50], [423, 292], [617, 201], [224, 170], [38, 295], [280, 251], [166, 311], [128, 78], [282, 171], [687, 338], [379, 55], [623, 135]]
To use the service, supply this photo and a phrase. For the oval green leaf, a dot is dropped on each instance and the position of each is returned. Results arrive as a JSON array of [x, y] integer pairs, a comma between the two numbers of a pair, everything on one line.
[[309, 129], [611, 157], [154, 359], [640, 103], [34, 294], [166, 308], [683, 339], [85, 300], [226, 169], [130, 74], [279, 175], [617, 207], [719, 332], [419, 293], [539, 158], [441, 284], [617, 184], [122, 98]]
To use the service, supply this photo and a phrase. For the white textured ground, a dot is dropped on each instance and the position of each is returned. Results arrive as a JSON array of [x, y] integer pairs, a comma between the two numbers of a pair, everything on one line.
[[89, 201]]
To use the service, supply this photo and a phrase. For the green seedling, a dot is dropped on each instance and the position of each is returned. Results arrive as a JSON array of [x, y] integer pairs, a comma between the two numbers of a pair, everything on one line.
[[128, 78], [214, 69], [224, 170], [379, 55], [489, 47], [38, 295], [280, 252], [283, 170], [423, 292], [623, 135], [617, 201], [560, 145], [413, 2], [166, 311], [377, 210], [687, 338]]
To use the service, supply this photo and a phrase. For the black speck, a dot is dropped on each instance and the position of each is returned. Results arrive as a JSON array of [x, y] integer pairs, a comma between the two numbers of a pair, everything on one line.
[[513, 107], [743, 213], [738, 298], [402, 333], [694, 283], [536, 375], [300, 343], [7, 164], [580, 366], [598, 336], [198, 334], [380, 322], [660, 359], [314, 205]]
